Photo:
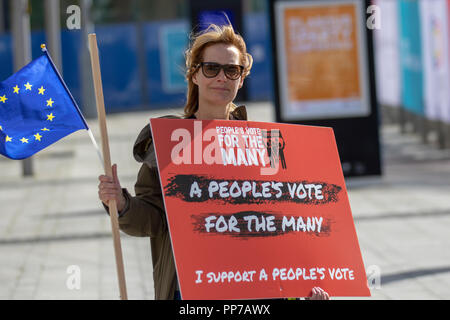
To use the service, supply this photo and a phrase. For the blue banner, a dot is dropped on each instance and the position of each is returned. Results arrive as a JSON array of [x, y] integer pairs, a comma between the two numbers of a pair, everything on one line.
[[164, 43], [411, 56]]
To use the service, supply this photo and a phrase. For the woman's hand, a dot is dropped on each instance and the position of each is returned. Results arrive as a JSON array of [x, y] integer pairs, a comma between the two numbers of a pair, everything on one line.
[[110, 189], [319, 294]]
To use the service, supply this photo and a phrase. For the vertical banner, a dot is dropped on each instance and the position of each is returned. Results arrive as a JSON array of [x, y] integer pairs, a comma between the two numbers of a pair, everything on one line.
[[411, 56], [435, 58], [322, 57], [387, 55], [256, 210]]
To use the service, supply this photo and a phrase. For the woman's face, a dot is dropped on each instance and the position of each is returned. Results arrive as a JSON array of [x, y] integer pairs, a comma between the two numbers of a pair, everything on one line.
[[218, 91]]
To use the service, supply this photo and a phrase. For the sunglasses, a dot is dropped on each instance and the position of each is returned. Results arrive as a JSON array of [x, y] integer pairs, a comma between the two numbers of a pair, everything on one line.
[[212, 69]]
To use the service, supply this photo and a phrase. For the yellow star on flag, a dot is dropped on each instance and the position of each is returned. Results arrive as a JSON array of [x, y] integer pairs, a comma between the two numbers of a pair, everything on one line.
[[50, 117], [3, 99], [28, 86], [38, 136], [8, 139], [16, 89], [41, 90], [1, 128], [24, 140], [45, 129], [50, 102]]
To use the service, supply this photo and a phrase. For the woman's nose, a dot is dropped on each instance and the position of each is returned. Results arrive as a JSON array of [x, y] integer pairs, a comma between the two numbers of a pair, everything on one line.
[[221, 76]]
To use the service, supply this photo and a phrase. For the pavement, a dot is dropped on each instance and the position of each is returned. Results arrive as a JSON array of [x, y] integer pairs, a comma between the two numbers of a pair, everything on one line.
[[55, 238]]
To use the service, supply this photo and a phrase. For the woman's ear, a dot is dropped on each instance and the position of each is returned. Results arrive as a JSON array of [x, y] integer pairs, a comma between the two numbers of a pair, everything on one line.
[[194, 78]]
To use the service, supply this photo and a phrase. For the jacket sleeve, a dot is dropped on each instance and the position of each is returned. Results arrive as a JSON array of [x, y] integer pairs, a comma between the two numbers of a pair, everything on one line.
[[144, 215]]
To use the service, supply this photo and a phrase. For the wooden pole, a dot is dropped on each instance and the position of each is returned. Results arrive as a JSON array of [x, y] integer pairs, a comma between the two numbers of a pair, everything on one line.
[[113, 213], [20, 27]]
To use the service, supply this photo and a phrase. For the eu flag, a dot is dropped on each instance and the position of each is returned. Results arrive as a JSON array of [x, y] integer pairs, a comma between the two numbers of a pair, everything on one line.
[[36, 110]]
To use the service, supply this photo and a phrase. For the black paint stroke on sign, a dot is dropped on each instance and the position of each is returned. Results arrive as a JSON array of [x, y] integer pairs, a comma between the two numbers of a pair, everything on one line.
[[179, 186], [198, 221]]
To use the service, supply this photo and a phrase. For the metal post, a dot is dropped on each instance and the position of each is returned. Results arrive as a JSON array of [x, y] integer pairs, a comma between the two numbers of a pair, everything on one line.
[[424, 126], [87, 88], [2, 20], [402, 119], [53, 31], [439, 125], [446, 135], [142, 59], [20, 20]]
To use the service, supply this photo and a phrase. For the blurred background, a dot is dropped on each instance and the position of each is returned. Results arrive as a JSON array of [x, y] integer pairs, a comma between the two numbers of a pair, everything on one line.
[[52, 218], [147, 37], [142, 45]]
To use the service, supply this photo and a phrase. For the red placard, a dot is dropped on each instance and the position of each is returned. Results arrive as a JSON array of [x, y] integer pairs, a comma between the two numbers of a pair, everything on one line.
[[257, 210]]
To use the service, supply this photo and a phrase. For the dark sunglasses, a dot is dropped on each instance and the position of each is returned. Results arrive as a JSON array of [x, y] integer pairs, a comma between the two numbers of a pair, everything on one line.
[[212, 69]]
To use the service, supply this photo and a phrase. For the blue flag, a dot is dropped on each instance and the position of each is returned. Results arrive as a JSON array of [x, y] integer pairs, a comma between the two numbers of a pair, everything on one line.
[[36, 110]]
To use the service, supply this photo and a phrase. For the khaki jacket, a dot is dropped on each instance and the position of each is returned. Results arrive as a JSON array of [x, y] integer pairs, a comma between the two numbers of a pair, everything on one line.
[[144, 214]]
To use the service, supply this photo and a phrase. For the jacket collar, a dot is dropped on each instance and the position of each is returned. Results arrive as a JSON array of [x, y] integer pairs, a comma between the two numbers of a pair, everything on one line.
[[238, 113]]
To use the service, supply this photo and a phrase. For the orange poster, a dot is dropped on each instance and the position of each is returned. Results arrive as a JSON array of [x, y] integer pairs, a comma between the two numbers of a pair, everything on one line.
[[257, 210], [321, 65]]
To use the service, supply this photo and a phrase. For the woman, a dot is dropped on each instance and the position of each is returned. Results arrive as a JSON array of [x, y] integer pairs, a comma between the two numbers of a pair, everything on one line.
[[217, 63]]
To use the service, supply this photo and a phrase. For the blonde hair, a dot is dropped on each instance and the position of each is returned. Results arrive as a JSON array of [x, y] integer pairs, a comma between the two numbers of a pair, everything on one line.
[[214, 34]]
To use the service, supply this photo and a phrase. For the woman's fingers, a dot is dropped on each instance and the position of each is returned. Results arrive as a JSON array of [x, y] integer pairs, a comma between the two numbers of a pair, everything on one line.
[[109, 189], [108, 193], [319, 294]]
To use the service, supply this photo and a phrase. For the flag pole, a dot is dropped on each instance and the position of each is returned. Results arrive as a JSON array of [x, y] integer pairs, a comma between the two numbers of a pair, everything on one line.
[[113, 214]]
